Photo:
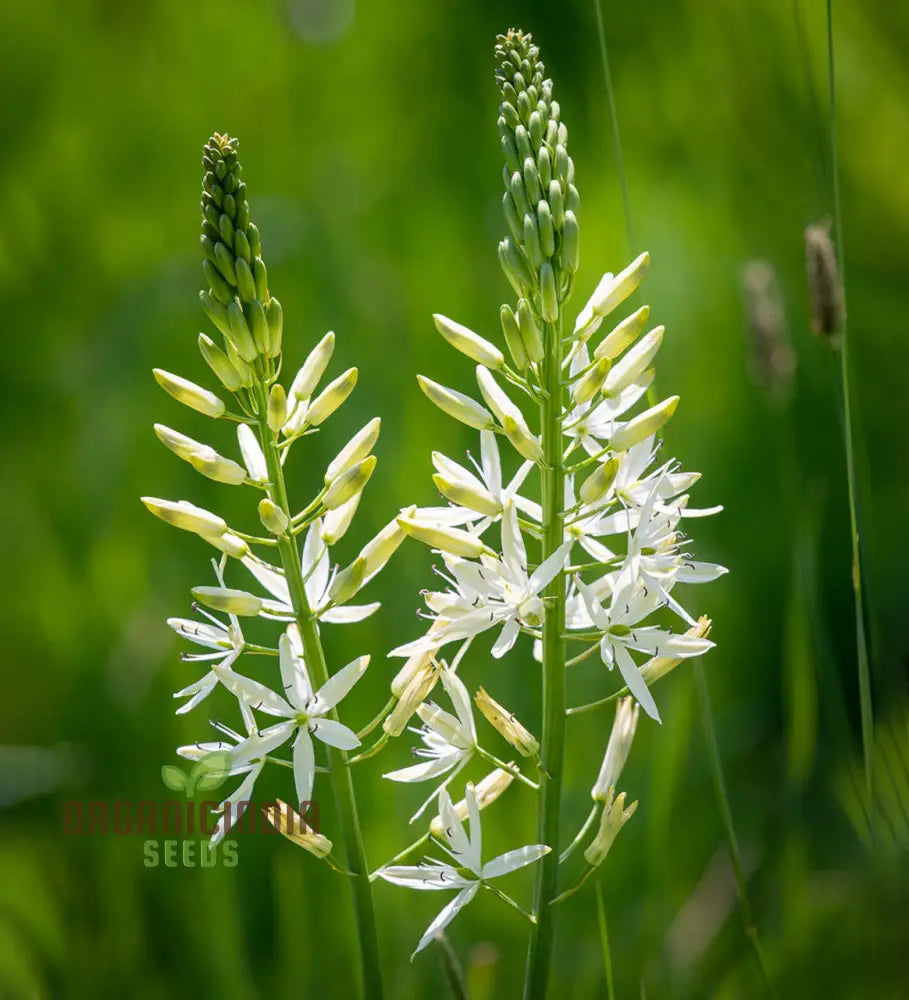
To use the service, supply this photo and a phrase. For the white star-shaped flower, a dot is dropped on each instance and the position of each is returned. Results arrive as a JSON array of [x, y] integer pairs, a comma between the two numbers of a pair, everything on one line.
[[466, 870]]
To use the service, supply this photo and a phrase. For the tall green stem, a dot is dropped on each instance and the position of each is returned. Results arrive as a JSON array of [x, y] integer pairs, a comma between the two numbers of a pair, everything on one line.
[[864, 668], [342, 783], [553, 746]]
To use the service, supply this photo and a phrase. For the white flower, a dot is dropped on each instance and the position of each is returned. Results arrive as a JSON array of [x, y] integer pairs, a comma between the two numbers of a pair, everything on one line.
[[617, 749], [466, 854], [488, 593], [623, 631], [226, 640], [318, 576], [485, 489], [304, 709], [450, 740]]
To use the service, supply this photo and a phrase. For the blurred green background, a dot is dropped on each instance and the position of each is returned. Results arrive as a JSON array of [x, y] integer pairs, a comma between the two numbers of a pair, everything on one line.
[[370, 149]]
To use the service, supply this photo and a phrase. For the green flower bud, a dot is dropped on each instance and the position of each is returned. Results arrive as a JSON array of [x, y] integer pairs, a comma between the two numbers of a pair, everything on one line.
[[233, 602], [544, 167], [240, 333], [549, 296], [643, 425], [258, 324], [516, 186], [241, 246], [349, 483], [556, 204], [182, 514], [219, 287], [217, 467], [464, 409], [624, 335], [272, 517], [531, 180], [275, 316], [380, 549], [224, 262], [535, 128], [590, 383], [513, 337], [220, 364], [515, 224], [226, 228], [356, 449], [561, 163], [260, 276], [228, 543], [277, 408], [510, 152], [465, 495], [532, 242], [255, 240], [546, 229], [244, 370], [246, 285], [331, 397], [530, 332], [522, 144], [189, 394], [572, 199], [467, 342], [523, 442], [598, 483], [570, 242], [514, 264], [216, 312], [453, 540], [346, 584]]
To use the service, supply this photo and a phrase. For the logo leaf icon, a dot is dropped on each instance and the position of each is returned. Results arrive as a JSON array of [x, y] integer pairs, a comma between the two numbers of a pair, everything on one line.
[[210, 772], [173, 778]]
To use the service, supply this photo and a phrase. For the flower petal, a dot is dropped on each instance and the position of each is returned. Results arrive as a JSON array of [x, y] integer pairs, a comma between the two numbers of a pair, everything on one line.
[[338, 685], [513, 860], [334, 733], [447, 914]]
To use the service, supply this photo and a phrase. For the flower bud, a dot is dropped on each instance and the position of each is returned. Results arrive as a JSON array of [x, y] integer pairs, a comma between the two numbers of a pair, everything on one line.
[[590, 383], [532, 242], [445, 724], [258, 323], [513, 337], [571, 245], [496, 398], [466, 495], [468, 342], [530, 332], [380, 549], [621, 286], [422, 680], [506, 725], [613, 818], [272, 517], [331, 397], [658, 666], [246, 285], [216, 312], [347, 582], [546, 229], [544, 169], [635, 362], [549, 296], [274, 314], [513, 220], [598, 483], [220, 289], [617, 749], [531, 180], [454, 540], [217, 467], [181, 445], [514, 264], [220, 364], [189, 394], [292, 825], [182, 514], [357, 448], [277, 408], [307, 378], [623, 335], [556, 205], [233, 602], [510, 152], [524, 443], [229, 543], [337, 521], [456, 404], [643, 425], [349, 483], [487, 791], [516, 187], [240, 333]]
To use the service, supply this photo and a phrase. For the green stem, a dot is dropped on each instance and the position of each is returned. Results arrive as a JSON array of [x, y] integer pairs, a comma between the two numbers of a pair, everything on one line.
[[451, 968], [719, 785], [553, 745], [604, 941], [864, 669], [341, 780]]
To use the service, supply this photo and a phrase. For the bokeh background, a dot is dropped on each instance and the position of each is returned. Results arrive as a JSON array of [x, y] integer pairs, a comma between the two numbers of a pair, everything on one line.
[[370, 149]]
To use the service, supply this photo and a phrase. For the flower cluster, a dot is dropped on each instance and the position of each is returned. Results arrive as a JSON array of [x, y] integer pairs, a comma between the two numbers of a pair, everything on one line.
[[581, 541], [294, 702]]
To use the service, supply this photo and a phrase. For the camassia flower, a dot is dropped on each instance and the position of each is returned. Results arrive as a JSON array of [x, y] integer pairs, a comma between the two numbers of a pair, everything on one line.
[[466, 870], [318, 577], [489, 592], [226, 641], [304, 709], [450, 740]]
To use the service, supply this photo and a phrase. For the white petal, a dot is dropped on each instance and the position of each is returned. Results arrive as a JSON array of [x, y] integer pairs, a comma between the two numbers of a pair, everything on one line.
[[513, 860], [513, 550], [256, 695], [304, 765], [294, 675], [695, 572], [349, 613], [636, 684], [447, 915], [424, 876], [454, 830], [426, 770], [492, 465], [334, 733], [338, 685], [548, 569], [272, 580], [507, 638], [251, 451]]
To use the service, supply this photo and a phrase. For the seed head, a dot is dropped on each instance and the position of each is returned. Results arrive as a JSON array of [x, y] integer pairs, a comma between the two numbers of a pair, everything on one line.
[[824, 285], [772, 357]]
